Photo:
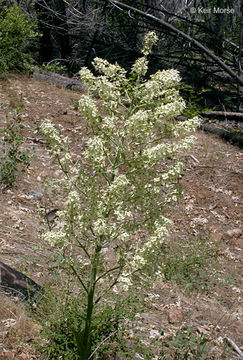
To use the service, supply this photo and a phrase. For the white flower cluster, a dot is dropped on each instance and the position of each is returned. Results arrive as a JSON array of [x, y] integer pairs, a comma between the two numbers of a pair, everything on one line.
[[170, 110], [89, 109], [95, 151], [87, 78], [73, 200], [109, 124], [173, 172], [108, 86], [152, 245], [153, 90], [139, 124], [56, 238], [121, 215], [118, 186], [167, 78], [187, 126], [186, 143], [67, 157], [125, 281], [113, 72], [150, 39], [140, 66], [100, 227], [52, 136], [156, 153], [128, 170], [108, 91]]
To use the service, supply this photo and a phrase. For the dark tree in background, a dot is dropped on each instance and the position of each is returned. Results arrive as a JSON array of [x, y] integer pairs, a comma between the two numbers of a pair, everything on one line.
[[54, 42], [201, 38]]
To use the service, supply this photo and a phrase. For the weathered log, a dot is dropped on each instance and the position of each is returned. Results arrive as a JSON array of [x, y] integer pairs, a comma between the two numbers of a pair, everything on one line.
[[15, 283], [223, 115], [223, 134], [58, 80]]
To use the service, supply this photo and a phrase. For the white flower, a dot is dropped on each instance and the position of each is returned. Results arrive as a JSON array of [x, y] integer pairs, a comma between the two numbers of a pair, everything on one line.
[[95, 151], [138, 261], [125, 281], [56, 238], [73, 202], [87, 77], [157, 152], [89, 109], [124, 236], [140, 66], [119, 183], [52, 136], [139, 124], [122, 214], [109, 92], [170, 110], [167, 78], [149, 40], [100, 227], [112, 71], [109, 124]]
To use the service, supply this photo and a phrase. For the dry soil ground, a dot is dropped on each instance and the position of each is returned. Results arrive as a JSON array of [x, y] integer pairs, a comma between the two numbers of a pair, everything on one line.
[[209, 216]]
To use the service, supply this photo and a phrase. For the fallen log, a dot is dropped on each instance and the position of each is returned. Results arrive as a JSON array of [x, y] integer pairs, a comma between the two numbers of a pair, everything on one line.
[[58, 80], [223, 134], [223, 115], [13, 282]]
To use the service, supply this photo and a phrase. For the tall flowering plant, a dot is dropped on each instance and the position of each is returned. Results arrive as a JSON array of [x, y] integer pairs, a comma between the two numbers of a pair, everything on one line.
[[113, 222]]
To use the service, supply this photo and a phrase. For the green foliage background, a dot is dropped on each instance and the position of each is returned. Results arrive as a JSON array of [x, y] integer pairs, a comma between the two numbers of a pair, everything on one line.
[[17, 33]]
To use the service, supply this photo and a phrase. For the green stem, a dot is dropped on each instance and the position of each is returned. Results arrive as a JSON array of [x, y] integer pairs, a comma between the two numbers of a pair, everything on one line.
[[85, 346]]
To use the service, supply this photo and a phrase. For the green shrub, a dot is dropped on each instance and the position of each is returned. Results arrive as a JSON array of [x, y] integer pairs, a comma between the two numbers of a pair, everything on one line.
[[196, 102], [16, 35], [191, 266], [54, 67], [61, 322], [185, 344], [13, 160]]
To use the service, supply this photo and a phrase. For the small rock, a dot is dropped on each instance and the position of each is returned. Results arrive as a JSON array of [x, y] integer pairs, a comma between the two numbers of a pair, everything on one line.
[[234, 232], [51, 215], [216, 236], [23, 356], [175, 316], [203, 330], [181, 118], [8, 355], [35, 195]]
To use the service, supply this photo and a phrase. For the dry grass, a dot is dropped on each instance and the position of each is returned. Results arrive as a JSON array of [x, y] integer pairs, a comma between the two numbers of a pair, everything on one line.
[[18, 330]]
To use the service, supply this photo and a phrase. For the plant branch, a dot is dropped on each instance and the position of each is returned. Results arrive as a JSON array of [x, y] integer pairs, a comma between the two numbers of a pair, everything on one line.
[[107, 272], [79, 278], [113, 333]]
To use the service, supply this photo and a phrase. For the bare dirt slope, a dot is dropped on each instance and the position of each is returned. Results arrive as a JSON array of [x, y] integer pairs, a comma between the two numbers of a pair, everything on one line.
[[211, 209]]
